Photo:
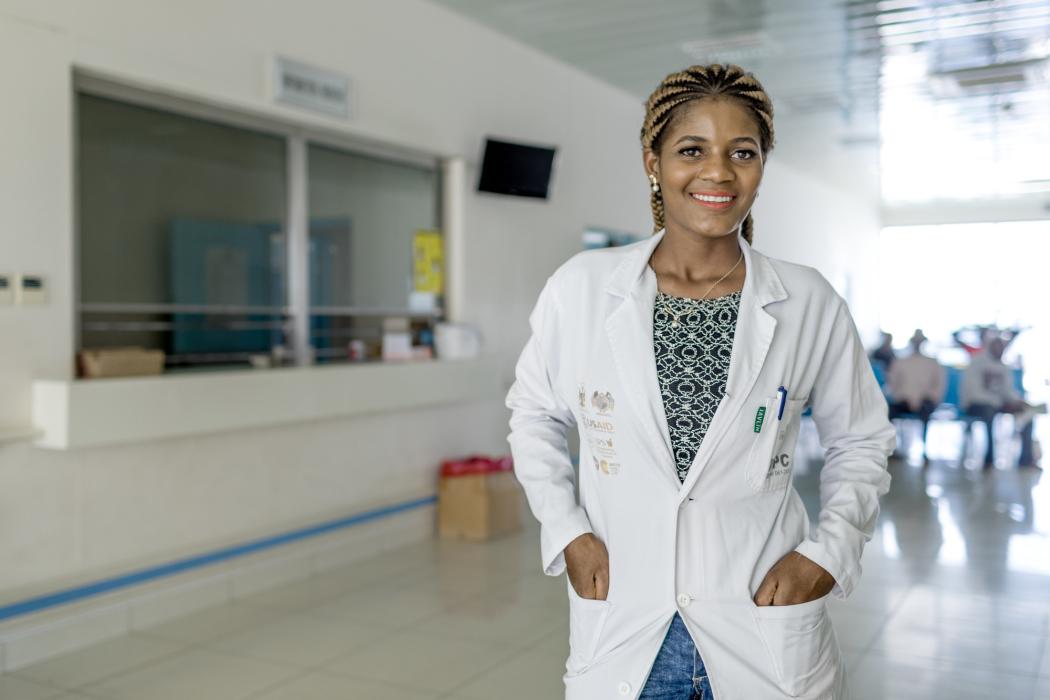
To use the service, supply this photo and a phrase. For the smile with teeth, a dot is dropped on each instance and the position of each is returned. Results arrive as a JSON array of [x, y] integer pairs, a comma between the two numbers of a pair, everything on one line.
[[716, 199]]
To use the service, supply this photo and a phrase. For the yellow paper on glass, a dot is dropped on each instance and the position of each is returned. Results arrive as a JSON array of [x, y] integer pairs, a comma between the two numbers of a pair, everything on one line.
[[428, 261]]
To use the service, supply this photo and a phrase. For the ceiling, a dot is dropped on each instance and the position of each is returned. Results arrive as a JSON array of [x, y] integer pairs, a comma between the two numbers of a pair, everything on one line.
[[794, 47], [965, 80]]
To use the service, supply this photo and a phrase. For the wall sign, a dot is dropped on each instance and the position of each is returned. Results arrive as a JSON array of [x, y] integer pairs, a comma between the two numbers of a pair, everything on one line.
[[312, 88]]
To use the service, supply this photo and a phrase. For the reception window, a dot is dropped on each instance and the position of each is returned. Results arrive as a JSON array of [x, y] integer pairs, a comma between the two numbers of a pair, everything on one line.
[[187, 239]]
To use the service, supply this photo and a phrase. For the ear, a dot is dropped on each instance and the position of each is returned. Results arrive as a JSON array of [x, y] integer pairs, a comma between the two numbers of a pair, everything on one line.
[[651, 163]]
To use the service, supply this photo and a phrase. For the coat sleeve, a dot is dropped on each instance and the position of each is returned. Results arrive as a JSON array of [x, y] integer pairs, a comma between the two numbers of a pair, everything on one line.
[[851, 417], [539, 424]]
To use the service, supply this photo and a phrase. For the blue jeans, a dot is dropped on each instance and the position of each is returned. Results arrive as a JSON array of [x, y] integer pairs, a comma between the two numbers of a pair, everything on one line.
[[678, 673]]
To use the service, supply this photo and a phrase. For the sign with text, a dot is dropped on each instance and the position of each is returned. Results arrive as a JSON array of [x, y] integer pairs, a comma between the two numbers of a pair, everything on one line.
[[312, 88]]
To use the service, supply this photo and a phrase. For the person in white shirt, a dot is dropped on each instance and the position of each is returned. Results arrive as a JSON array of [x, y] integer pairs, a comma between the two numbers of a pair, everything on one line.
[[916, 385], [987, 389]]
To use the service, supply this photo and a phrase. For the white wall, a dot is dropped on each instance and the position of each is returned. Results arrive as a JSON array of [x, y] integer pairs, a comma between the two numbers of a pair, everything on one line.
[[819, 206], [422, 78]]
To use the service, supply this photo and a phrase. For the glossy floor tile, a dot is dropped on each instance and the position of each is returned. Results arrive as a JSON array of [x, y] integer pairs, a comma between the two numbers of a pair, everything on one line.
[[100, 661], [954, 603]]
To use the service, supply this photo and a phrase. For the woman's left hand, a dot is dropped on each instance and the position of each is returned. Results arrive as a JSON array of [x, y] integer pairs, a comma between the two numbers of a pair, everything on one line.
[[793, 580]]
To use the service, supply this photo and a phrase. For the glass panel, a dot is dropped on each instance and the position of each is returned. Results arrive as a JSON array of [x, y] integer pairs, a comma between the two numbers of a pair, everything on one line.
[[182, 244], [364, 213], [364, 216]]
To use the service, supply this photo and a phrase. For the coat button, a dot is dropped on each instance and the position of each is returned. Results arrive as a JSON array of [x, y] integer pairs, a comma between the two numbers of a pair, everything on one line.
[[684, 599], [624, 688]]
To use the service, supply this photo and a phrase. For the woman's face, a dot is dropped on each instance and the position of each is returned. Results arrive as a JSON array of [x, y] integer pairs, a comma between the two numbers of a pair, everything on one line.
[[709, 167]]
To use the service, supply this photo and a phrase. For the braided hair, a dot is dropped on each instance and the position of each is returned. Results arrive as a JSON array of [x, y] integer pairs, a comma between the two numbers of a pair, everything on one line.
[[696, 83]]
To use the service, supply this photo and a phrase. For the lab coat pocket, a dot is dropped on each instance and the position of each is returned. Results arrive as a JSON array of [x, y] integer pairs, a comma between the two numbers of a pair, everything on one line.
[[769, 463], [586, 621], [801, 644]]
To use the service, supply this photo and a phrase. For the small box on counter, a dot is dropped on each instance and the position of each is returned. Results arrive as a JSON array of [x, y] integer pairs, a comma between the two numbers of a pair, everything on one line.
[[119, 362]]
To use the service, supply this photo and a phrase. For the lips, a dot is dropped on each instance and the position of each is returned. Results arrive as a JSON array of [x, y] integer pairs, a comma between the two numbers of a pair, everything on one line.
[[713, 200]]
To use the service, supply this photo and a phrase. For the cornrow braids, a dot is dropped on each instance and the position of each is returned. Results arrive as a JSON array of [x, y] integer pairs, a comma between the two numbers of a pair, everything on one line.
[[695, 83]]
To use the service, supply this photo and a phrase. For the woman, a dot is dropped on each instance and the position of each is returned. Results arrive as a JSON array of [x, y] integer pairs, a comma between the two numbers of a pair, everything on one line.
[[686, 362]]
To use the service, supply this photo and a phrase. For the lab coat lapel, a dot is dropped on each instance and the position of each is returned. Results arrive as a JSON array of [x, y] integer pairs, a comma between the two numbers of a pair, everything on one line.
[[754, 334], [630, 331]]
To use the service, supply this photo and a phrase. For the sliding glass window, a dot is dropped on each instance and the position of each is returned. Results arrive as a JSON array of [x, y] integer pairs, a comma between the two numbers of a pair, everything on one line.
[[181, 235], [367, 216]]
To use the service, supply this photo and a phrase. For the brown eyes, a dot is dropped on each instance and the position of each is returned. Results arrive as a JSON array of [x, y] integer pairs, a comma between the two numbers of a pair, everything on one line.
[[741, 154]]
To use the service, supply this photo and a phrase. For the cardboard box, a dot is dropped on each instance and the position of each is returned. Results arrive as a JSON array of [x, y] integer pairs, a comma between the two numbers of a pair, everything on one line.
[[120, 362], [479, 505]]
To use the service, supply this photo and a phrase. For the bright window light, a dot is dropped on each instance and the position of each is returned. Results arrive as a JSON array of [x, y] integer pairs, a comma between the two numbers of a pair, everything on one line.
[[940, 140]]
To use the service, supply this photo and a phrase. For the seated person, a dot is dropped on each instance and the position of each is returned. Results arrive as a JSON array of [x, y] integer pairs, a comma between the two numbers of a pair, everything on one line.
[[916, 385], [987, 389], [884, 353]]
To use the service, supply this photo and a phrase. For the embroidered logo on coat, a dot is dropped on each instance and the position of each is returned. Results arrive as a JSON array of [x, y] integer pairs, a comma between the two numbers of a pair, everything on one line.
[[603, 402], [606, 467], [602, 426]]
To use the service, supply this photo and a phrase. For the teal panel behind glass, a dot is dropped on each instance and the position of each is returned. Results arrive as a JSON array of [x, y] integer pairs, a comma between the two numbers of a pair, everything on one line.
[[221, 263]]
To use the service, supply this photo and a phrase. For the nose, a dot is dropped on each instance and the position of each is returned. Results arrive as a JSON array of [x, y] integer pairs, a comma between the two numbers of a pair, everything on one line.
[[716, 168]]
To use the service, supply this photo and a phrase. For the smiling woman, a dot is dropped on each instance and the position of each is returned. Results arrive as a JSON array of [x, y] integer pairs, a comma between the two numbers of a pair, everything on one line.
[[750, 121], [693, 570]]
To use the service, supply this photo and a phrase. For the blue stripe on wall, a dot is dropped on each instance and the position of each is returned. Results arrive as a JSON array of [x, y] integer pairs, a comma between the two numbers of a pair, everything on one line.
[[89, 590]]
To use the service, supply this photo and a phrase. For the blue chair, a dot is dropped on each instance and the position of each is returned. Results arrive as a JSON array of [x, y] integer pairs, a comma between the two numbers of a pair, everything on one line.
[[951, 392]]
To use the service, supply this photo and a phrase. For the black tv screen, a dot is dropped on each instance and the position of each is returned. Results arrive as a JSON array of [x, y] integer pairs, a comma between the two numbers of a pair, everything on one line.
[[517, 169]]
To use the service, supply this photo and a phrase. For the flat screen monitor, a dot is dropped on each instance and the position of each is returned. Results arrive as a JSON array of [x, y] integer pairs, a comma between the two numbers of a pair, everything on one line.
[[516, 169]]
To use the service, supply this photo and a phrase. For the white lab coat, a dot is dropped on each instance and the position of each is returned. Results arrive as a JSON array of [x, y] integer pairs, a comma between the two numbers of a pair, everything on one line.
[[703, 547]]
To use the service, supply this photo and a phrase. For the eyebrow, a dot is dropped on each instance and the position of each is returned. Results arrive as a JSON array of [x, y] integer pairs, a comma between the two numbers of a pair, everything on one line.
[[738, 139]]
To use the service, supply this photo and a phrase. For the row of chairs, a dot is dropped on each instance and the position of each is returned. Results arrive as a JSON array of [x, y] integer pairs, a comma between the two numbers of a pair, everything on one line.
[[950, 407]]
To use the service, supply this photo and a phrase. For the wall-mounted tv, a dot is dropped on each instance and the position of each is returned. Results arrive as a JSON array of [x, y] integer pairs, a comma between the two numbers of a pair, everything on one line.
[[516, 169]]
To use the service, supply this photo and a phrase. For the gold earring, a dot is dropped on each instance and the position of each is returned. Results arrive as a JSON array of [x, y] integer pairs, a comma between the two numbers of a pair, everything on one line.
[[656, 185]]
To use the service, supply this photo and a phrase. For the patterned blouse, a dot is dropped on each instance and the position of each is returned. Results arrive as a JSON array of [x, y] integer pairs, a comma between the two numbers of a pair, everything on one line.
[[692, 364]]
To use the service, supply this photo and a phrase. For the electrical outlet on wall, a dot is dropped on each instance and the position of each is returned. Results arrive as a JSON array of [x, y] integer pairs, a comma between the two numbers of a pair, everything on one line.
[[31, 289], [7, 290]]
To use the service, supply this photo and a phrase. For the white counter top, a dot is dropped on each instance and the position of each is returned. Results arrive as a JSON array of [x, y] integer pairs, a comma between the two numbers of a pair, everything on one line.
[[86, 413]]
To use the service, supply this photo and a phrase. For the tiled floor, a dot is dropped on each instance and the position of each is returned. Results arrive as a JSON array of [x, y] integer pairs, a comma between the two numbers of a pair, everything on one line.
[[955, 604]]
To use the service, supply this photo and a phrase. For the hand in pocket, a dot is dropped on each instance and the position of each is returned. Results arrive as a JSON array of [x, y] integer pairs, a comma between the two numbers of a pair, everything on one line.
[[587, 562], [793, 580]]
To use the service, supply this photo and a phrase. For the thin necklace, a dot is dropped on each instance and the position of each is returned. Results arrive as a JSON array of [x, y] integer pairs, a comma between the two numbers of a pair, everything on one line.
[[675, 317]]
